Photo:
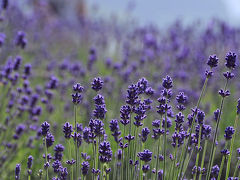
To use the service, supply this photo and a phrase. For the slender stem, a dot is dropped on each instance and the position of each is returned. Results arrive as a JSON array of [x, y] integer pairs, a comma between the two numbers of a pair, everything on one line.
[[231, 149], [158, 149], [165, 146], [236, 168], [203, 157], [181, 156], [129, 148], [175, 161], [212, 154], [188, 160], [70, 155], [136, 147], [29, 177], [221, 168], [46, 160], [94, 155], [123, 152], [141, 148], [190, 133], [76, 148], [197, 158]]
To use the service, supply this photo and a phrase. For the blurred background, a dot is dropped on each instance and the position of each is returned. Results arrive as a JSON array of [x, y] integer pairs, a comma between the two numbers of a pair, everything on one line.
[[165, 12], [161, 13]]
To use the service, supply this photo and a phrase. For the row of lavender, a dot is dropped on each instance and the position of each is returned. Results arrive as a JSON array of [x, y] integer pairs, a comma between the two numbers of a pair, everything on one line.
[[134, 158]]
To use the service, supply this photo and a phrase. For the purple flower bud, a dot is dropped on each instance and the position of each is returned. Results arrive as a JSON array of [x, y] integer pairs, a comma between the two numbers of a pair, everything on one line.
[[67, 130], [97, 84], [49, 139], [105, 152], [56, 166], [78, 88], [223, 93], [29, 162], [229, 131], [17, 172], [238, 106], [145, 156], [212, 61], [225, 152], [85, 168], [167, 82], [45, 128], [145, 168], [215, 171], [231, 60], [228, 75]]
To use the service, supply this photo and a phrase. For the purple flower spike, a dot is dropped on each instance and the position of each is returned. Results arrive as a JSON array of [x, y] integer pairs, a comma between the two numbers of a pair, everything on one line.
[[229, 131], [78, 88], [85, 168], [67, 130], [212, 61], [167, 82], [45, 128], [231, 60], [145, 156], [17, 171], [97, 84]]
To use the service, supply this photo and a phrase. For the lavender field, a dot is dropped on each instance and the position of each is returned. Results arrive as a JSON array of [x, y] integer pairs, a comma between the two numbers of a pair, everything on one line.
[[100, 98]]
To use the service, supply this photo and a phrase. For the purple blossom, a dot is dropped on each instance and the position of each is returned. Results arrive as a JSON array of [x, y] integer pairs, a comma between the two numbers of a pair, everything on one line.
[[229, 131], [49, 139], [78, 88], [85, 168], [145, 133], [125, 112], [17, 172], [145, 156], [67, 130], [77, 137], [105, 152], [97, 84], [29, 162], [45, 128], [167, 82], [230, 60], [212, 61]]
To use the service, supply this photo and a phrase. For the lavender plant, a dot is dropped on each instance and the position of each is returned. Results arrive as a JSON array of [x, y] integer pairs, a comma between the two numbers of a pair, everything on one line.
[[116, 125]]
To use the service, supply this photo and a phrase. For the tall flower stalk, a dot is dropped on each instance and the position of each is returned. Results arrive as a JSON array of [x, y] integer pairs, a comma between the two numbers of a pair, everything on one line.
[[212, 63], [231, 64], [232, 141]]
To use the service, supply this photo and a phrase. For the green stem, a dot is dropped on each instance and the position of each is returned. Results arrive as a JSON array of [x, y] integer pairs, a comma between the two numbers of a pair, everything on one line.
[[94, 163], [181, 156], [231, 149], [158, 151], [189, 139], [221, 168], [46, 160], [188, 160], [70, 155], [199, 140], [236, 169], [76, 148], [175, 161], [165, 146], [203, 157], [29, 177], [123, 153], [212, 154]]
